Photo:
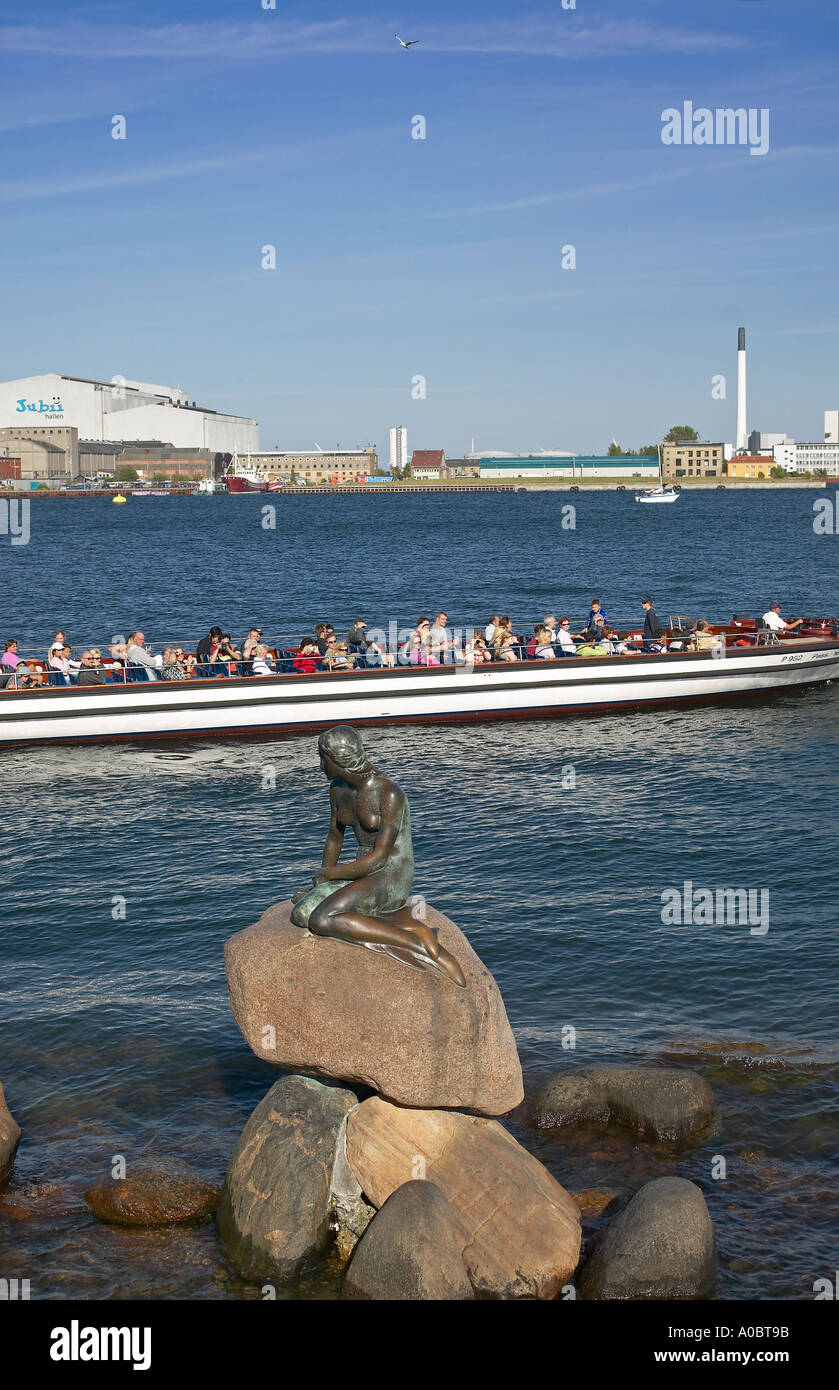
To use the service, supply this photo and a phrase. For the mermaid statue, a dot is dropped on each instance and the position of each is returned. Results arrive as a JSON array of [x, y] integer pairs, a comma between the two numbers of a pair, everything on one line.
[[366, 900]]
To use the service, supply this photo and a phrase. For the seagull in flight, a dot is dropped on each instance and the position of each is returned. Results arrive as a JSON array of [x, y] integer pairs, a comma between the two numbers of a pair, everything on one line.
[[409, 44]]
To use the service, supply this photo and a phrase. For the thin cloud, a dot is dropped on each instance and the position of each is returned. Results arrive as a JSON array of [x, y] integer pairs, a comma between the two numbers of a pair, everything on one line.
[[273, 38]]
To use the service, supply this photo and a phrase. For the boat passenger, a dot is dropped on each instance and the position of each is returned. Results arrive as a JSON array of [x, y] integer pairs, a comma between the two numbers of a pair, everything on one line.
[[653, 628], [170, 669], [186, 664], [323, 632], [417, 649], [24, 679], [489, 630], [703, 639], [10, 656], [440, 637], [357, 635], [506, 650], [206, 644], [136, 654], [58, 642], [564, 638], [591, 644], [338, 658], [307, 659], [773, 620], [596, 617], [92, 672], [60, 662], [549, 621], [264, 663], [118, 648], [544, 649], [250, 643]]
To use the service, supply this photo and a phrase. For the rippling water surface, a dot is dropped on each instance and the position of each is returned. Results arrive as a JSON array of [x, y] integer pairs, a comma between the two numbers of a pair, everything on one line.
[[116, 1036]]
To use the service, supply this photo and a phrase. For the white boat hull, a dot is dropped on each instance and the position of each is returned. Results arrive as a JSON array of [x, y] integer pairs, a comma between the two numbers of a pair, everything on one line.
[[297, 703]]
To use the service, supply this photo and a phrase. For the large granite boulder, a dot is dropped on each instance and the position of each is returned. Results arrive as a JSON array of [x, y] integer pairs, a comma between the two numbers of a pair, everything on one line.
[[152, 1197], [316, 1004], [519, 1230], [277, 1200], [9, 1139], [410, 1251], [660, 1246], [665, 1103]]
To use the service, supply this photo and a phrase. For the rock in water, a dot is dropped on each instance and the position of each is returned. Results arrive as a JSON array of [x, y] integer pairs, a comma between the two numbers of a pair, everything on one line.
[[151, 1197], [275, 1205], [316, 1004], [660, 1246], [667, 1103], [9, 1139], [410, 1251], [519, 1230]]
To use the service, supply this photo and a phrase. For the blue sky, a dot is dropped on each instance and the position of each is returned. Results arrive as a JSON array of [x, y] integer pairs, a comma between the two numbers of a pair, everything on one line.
[[442, 257]]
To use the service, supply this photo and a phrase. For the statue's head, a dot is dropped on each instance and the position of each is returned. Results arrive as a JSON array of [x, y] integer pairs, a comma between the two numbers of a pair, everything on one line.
[[343, 748]]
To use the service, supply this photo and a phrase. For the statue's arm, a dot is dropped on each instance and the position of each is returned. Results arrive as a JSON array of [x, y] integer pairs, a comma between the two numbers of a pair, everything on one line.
[[335, 837], [383, 848]]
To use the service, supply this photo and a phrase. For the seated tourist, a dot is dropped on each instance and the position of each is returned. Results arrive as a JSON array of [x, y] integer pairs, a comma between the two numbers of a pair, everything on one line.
[[773, 620], [419, 645], [118, 648], [91, 671], [544, 649], [23, 678], [376, 654], [206, 644], [58, 642], [10, 656], [228, 653], [564, 638], [704, 640], [264, 663], [489, 630], [357, 635], [308, 658], [323, 633], [170, 669], [591, 644], [506, 649], [60, 662], [137, 656], [338, 657], [612, 641], [251, 643]]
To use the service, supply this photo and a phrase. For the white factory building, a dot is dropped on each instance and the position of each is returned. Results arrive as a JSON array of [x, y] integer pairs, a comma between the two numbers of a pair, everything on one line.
[[122, 410]]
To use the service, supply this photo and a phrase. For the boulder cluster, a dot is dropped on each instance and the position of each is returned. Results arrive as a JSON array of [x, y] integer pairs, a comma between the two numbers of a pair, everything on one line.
[[420, 1189]]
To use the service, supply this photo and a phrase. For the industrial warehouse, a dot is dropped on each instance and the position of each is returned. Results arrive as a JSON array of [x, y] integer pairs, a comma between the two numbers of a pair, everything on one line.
[[55, 428]]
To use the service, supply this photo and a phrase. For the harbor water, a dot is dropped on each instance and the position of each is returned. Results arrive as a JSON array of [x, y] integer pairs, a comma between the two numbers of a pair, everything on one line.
[[553, 844]]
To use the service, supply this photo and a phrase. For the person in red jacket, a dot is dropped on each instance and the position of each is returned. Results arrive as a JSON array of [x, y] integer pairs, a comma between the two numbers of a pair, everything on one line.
[[308, 658]]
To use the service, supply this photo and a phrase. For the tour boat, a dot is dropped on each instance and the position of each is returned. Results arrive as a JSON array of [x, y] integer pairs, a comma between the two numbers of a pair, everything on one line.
[[752, 663]]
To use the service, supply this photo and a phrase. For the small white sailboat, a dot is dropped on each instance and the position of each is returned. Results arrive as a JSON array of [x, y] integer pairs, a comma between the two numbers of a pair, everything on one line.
[[660, 493]]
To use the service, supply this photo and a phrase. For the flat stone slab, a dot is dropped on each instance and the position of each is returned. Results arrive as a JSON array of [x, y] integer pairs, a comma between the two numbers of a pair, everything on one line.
[[665, 1103], [9, 1139], [660, 1246], [318, 1005], [519, 1230]]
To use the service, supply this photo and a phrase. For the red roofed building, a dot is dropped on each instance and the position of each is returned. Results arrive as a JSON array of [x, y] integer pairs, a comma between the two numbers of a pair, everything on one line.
[[428, 463]]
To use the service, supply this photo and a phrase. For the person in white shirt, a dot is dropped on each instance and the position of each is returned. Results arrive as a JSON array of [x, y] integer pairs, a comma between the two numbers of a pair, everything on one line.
[[264, 664], [773, 620], [136, 654], [563, 634], [490, 627]]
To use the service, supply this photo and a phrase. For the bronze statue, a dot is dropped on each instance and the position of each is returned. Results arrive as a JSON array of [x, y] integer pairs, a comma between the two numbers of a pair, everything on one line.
[[364, 901]]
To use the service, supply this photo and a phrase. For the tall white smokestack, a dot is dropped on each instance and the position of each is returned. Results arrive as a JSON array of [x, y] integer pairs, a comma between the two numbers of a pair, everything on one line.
[[742, 428]]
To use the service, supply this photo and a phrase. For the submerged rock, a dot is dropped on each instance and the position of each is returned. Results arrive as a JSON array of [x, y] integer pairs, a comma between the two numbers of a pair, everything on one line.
[[660, 1246], [316, 1004], [410, 1251], [519, 1230], [9, 1139], [274, 1214], [666, 1103], [152, 1197]]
